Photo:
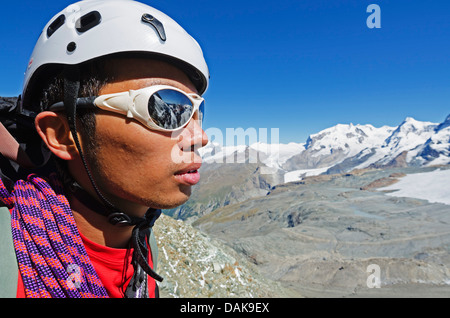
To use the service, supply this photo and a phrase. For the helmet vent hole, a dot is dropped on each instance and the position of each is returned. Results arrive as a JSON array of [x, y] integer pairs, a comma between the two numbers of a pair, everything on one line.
[[71, 47], [88, 21], [59, 21]]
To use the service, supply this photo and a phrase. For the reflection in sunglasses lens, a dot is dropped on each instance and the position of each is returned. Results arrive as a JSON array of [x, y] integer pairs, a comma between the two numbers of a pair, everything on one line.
[[170, 109]]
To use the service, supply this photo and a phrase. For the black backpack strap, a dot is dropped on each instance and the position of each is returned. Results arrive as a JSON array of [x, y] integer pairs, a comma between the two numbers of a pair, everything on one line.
[[9, 146]]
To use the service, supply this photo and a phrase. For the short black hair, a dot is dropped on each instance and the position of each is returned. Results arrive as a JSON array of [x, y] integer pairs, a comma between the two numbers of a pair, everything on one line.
[[93, 76]]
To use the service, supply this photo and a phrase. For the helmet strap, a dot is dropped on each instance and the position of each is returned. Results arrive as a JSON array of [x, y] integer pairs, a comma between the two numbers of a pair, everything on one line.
[[137, 287]]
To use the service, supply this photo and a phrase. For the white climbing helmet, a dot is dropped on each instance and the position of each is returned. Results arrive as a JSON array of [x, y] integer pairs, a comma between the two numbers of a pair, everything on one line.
[[90, 29]]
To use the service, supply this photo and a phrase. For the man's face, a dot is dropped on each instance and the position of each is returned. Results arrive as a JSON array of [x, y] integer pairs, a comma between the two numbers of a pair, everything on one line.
[[134, 166]]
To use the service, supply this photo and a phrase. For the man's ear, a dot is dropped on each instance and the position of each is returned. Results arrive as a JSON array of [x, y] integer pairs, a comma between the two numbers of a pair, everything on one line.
[[55, 132]]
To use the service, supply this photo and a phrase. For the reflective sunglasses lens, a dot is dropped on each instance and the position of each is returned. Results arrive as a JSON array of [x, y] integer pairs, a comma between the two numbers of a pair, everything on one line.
[[170, 109]]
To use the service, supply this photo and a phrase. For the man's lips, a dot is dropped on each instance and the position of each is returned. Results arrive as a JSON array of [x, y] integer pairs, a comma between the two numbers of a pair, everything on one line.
[[189, 168], [189, 174]]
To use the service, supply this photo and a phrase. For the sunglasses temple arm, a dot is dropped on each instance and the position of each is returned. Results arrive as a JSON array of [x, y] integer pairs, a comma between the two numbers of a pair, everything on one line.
[[81, 102], [86, 102]]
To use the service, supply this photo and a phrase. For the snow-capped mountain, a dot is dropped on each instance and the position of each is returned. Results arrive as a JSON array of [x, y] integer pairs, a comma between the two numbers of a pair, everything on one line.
[[333, 145], [436, 150], [350, 138], [401, 147], [409, 136], [345, 147]]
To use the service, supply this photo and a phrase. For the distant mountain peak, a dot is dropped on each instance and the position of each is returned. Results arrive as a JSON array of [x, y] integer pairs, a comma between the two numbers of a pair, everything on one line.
[[415, 124]]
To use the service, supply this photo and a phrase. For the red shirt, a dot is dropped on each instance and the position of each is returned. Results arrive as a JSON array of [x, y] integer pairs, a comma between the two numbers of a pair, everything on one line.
[[113, 266]]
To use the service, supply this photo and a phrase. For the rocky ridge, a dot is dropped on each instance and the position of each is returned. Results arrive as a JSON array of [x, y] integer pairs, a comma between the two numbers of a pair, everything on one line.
[[196, 266]]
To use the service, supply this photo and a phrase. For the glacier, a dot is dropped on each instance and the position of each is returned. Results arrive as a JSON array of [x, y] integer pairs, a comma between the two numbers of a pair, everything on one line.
[[431, 186]]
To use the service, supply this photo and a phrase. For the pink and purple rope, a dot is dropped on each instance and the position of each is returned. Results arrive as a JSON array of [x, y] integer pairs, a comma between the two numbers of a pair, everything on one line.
[[51, 256]]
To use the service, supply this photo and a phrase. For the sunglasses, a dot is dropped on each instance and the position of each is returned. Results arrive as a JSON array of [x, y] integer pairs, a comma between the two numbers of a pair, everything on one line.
[[159, 107]]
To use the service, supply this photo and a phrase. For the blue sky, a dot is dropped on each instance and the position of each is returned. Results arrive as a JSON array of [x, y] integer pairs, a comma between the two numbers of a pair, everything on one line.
[[300, 66]]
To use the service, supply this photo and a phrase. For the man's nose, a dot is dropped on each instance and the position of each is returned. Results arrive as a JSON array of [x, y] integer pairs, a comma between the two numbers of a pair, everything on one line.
[[193, 136]]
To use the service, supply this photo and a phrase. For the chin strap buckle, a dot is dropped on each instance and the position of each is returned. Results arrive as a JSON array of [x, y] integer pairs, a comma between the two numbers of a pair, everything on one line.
[[119, 218]]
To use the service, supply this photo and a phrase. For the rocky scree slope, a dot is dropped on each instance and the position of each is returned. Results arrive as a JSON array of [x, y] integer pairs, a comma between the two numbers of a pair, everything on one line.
[[196, 266]]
